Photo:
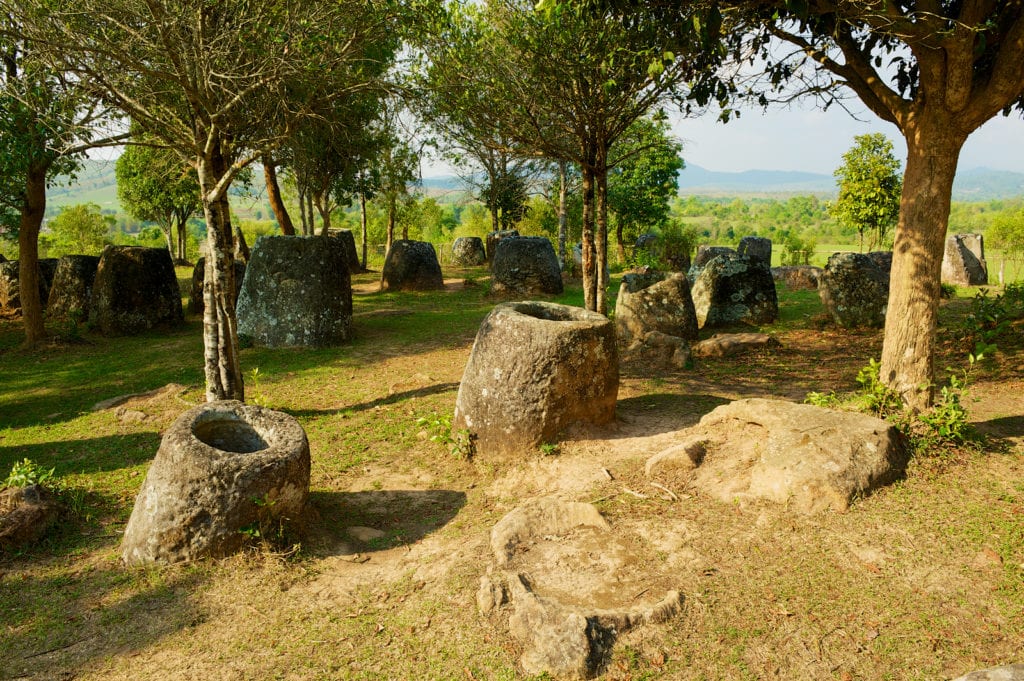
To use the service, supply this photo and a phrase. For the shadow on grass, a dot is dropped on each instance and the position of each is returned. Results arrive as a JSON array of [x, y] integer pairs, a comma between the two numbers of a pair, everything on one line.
[[666, 412], [1006, 426], [394, 398], [387, 518], [56, 620], [89, 455]]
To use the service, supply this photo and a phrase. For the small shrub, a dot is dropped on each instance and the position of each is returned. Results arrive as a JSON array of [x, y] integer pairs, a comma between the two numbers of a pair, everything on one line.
[[27, 473], [459, 442], [947, 291]]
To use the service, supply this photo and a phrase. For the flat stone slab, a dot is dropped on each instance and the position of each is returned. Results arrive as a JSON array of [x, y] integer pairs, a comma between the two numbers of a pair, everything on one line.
[[806, 457], [728, 344], [1010, 672]]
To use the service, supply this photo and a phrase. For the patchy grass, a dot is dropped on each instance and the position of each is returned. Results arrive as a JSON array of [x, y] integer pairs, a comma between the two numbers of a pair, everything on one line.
[[921, 580]]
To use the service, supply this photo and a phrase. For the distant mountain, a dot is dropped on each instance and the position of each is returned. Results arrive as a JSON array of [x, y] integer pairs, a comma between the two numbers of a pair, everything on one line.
[[694, 179], [973, 184]]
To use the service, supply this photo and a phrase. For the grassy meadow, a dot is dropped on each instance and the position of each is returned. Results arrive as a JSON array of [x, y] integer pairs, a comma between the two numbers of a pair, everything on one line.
[[923, 579]]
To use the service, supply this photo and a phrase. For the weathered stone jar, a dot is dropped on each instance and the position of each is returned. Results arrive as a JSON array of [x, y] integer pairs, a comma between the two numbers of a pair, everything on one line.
[[222, 467], [535, 369]]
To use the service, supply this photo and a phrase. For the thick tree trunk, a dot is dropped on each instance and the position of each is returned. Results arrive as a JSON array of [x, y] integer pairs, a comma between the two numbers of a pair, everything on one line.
[[362, 221], [589, 273], [284, 220], [601, 235], [220, 330], [933, 149], [563, 191], [32, 211]]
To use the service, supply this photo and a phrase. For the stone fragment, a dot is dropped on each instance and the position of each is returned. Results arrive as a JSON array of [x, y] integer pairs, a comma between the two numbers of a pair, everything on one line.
[[706, 254], [1010, 672], [411, 266], [26, 513], [806, 457], [657, 349], [537, 518], [468, 251], [727, 344], [535, 369], [72, 287], [733, 289], [854, 288], [224, 470], [297, 291], [135, 289], [963, 263], [195, 298], [526, 266], [655, 302]]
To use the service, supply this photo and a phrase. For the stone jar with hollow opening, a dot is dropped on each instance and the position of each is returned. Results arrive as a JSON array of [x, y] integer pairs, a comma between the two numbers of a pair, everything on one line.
[[223, 470], [535, 369]]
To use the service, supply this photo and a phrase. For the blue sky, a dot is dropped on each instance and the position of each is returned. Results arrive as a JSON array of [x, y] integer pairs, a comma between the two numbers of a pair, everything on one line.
[[808, 139]]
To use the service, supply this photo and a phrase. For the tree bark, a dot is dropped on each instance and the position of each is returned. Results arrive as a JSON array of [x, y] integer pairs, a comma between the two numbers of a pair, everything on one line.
[[563, 191], [589, 275], [601, 236], [284, 220], [310, 214], [362, 221], [181, 256], [220, 330], [32, 211], [619, 247], [933, 149]]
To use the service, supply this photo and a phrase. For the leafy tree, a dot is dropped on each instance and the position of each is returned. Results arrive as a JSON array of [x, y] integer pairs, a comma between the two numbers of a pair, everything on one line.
[[220, 84], [644, 178], [80, 230], [869, 189], [47, 120], [937, 71], [1007, 232], [155, 185], [566, 81]]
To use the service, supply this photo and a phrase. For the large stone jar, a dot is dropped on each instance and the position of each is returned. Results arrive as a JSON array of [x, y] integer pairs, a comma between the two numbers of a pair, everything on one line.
[[535, 369], [223, 469]]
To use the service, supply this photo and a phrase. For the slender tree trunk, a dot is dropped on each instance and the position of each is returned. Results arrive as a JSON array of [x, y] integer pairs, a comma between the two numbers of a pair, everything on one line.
[[168, 230], [933, 149], [601, 231], [284, 220], [310, 214], [181, 256], [392, 209], [323, 207], [563, 191], [362, 222], [220, 330], [303, 218], [587, 247], [620, 249], [32, 211]]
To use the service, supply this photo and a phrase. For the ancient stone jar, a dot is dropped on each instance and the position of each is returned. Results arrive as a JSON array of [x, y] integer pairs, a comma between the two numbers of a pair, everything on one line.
[[655, 302], [348, 240], [195, 298], [297, 291], [854, 288], [135, 290], [494, 238], [735, 288], [535, 369], [468, 251], [223, 470], [963, 262], [756, 247], [72, 286], [526, 265], [411, 266], [10, 283]]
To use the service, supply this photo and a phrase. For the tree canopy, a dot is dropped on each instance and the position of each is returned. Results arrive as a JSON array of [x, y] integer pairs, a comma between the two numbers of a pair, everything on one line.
[[869, 189]]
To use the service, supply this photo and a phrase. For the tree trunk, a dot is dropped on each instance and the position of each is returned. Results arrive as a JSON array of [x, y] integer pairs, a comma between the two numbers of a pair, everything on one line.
[[563, 191], [589, 274], [284, 220], [220, 330], [601, 236], [310, 213], [933, 149], [620, 249], [168, 230], [362, 221], [181, 256], [32, 211], [392, 208]]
